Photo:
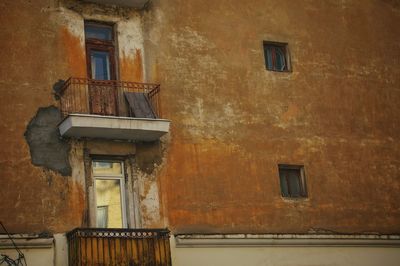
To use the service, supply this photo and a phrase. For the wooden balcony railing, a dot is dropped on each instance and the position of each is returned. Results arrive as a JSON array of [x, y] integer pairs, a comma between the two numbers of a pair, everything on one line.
[[94, 246], [104, 97]]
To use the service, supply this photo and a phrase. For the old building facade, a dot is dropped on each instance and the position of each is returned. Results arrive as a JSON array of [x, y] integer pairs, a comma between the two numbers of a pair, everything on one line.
[[257, 132]]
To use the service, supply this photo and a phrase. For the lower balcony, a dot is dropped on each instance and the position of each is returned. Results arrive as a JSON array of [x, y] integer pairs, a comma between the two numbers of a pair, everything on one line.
[[110, 109], [94, 246]]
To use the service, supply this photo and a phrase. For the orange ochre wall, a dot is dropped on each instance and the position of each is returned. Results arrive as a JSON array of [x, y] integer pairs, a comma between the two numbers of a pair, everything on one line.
[[36, 53], [336, 112], [233, 122]]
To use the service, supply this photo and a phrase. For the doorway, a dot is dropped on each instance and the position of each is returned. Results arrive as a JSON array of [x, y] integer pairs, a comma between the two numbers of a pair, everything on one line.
[[101, 68]]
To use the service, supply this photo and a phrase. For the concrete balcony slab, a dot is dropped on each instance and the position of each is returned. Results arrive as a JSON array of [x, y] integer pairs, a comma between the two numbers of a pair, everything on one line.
[[113, 128]]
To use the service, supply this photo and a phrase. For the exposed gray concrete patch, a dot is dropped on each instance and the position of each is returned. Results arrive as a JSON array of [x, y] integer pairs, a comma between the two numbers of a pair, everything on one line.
[[45, 144]]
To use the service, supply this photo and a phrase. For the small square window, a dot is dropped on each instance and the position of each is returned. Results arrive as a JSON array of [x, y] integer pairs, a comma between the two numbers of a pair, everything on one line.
[[276, 56], [292, 180]]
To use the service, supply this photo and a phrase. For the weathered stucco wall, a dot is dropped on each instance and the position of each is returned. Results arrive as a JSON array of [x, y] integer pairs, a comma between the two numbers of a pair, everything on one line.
[[42, 44], [233, 121], [33, 199]]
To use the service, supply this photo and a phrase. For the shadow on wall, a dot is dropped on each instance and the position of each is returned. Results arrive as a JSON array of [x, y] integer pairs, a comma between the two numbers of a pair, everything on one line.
[[149, 156]]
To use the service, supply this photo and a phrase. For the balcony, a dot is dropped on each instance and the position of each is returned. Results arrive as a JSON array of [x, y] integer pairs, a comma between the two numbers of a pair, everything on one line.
[[118, 247], [110, 109]]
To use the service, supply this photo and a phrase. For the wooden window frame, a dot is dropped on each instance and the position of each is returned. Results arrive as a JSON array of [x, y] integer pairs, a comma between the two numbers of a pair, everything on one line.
[[109, 46], [101, 45], [284, 47], [131, 188], [122, 181], [302, 181]]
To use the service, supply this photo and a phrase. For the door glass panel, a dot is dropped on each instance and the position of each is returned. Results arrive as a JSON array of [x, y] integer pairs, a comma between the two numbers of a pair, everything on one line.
[[100, 65], [107, 168], [102, 216], [109, 205]]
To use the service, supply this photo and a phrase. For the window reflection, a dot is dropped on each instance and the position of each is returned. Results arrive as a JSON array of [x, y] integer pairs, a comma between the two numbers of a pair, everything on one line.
[[104, 168], [100, 65], [98, 32], [108, 201]]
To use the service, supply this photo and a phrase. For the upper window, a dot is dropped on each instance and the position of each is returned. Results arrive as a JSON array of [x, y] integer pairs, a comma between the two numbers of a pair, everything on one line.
[[293, 181], [98, 31], [100, 51], [276, 56]]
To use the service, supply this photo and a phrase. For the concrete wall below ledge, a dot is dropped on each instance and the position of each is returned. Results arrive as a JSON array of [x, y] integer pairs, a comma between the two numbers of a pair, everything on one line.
[[240, 255], [37, 250]]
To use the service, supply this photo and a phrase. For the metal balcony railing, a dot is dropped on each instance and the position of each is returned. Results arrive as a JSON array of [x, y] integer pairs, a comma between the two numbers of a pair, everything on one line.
[[95, 246], [105, 97]]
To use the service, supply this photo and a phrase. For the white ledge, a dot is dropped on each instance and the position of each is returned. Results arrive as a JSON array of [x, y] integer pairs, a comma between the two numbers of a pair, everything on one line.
[[25, 241], [294, 240], [112, 127]]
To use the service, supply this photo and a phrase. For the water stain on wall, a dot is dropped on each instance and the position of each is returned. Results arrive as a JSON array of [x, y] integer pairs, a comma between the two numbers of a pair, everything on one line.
[[74, 53], [132, 67]]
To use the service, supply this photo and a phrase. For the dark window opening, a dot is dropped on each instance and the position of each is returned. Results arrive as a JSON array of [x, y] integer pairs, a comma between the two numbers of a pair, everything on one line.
[[292, 181], [276, 56]]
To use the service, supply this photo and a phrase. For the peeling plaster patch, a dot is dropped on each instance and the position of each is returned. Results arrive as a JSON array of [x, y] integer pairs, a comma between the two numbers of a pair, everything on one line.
[[130, 37], [149, 156], [46, 147], [130, 42], [72, 21], [150, 204], [97, 9]]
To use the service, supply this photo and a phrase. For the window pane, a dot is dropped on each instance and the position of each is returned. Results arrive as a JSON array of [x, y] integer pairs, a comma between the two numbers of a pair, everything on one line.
[[294, 182], [280, 59], [106, 168], [102, 217], [284, 188], [98, 32], [275, 56], [108, 194], [100, 65], [269, 59]]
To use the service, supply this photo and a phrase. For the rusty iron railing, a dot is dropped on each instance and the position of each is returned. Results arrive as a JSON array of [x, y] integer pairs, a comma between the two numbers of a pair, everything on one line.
[[95, 246], [103, 97]]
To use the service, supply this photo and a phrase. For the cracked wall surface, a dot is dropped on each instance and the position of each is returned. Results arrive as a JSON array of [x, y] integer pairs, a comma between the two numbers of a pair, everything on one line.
[[44, 43], [336, 113], [233, 121]]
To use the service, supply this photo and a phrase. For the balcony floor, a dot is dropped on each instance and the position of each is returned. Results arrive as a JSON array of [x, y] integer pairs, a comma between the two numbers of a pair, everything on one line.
[[115, 128]]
